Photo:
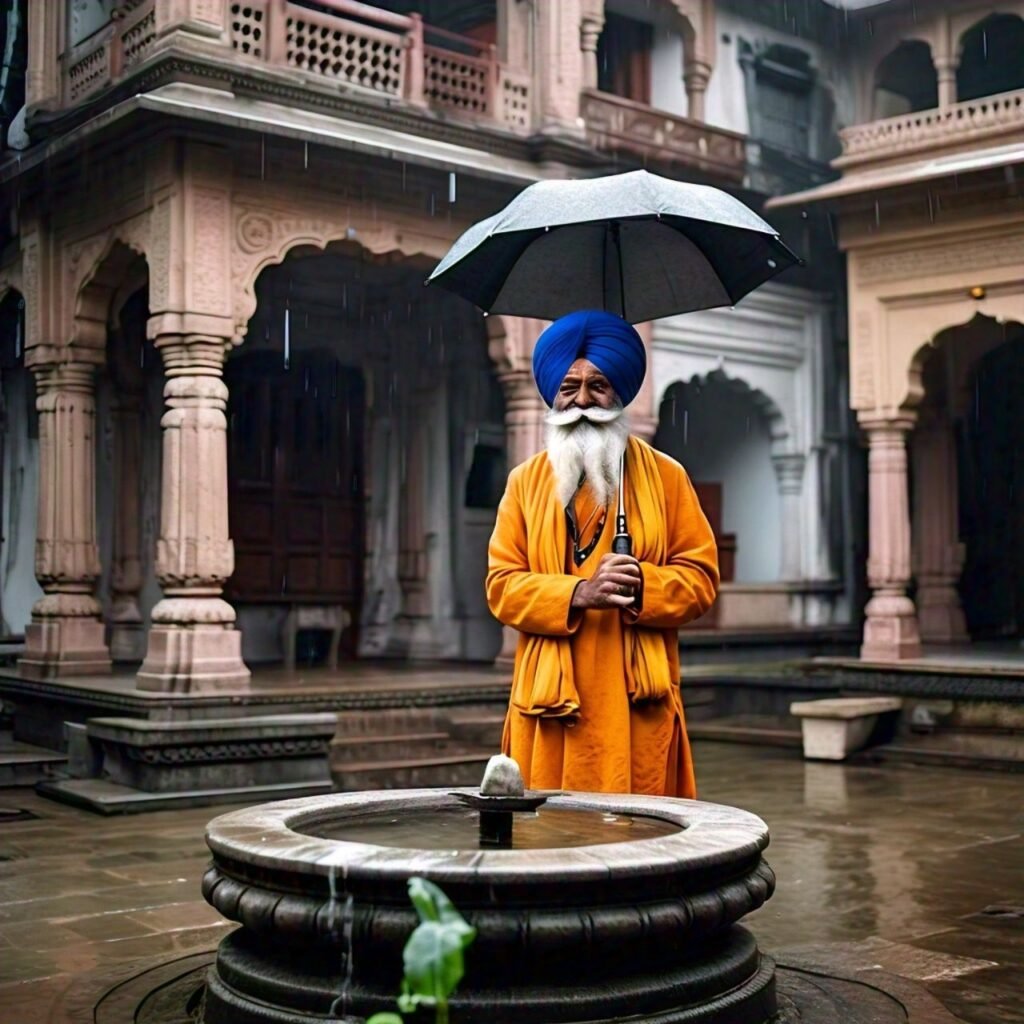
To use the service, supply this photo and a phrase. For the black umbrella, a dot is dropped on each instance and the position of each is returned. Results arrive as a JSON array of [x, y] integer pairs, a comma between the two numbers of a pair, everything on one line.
[[634, 244]]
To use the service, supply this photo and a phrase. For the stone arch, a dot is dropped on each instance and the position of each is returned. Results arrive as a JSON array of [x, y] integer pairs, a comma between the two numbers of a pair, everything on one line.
[[110, 262], [779, 427], [1001, 31], [962, 351], [906, 70], [265, 239]]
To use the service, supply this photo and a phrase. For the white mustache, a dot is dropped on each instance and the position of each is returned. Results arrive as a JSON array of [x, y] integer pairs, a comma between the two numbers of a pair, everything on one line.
[[595, 414]]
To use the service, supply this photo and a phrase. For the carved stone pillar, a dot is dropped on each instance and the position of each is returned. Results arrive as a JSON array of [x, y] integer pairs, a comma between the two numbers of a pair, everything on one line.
[[937, 552], [945, 73], [590, 33], [696, 75], [66, 635], [524, 432], [524, 416], [890, 628], [193, 643], [789, 475], [127, 635]]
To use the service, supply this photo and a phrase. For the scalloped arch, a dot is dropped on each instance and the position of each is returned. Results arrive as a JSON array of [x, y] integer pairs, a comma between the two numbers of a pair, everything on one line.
[[106, 260], [778, 427], [994, 328], [265, 240]]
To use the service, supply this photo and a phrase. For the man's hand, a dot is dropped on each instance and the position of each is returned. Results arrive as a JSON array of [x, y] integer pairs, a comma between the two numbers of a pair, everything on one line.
[[613, 585]]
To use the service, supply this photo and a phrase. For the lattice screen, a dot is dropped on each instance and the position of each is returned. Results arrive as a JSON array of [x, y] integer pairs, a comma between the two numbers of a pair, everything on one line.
[[90, 73], [515, 96], [137, 40], [248, 23], [455, 82], [346, 54]]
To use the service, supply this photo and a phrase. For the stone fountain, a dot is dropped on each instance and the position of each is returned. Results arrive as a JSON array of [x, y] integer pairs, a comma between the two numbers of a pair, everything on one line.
[[588, 908]]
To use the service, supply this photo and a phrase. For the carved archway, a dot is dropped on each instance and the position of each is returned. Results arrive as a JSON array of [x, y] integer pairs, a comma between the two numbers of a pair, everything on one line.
[[987, 329], [779, 428], [108, 264], [264, 239]]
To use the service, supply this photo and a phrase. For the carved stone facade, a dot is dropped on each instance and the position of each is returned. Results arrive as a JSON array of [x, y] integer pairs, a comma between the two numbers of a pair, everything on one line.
[[927, 213]]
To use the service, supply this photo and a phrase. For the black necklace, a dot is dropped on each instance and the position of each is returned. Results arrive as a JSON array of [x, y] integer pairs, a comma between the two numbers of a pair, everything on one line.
[[580, 555]]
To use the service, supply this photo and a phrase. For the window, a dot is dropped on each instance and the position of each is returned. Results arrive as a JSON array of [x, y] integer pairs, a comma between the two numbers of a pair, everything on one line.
[[624, 58], [784, 83]]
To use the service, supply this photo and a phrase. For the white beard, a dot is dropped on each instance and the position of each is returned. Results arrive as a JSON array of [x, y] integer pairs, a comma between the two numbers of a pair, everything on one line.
[[589, 442]]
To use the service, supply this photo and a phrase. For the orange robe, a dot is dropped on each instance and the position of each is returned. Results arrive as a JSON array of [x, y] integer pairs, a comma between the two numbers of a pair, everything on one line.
[[595, 702]]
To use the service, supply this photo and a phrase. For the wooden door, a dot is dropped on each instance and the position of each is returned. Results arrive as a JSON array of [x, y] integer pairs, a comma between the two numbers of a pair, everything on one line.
[[295, 472]]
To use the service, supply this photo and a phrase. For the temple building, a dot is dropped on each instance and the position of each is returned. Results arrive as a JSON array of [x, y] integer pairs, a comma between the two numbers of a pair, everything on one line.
[[238, 432], [929, 212]]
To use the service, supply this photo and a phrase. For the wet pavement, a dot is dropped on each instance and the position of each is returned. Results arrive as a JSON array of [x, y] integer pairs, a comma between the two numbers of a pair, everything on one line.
[[919, 871]]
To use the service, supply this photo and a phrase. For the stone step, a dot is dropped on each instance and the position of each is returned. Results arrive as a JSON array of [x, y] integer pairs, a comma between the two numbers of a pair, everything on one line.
[[365, 749], [388, 721], [483, 728], [22, 764], [463, 769], [756, 730]]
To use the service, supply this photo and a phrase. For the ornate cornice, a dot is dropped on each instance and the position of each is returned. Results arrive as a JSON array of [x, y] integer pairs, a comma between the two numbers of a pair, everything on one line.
[[243, 80]]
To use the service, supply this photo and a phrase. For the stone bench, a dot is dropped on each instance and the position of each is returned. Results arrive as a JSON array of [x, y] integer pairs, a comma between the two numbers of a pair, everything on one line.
[[334, 619], [837, 726]]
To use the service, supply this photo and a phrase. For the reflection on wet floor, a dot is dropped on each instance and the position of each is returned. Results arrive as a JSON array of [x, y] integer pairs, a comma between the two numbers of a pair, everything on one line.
[[917, 870]]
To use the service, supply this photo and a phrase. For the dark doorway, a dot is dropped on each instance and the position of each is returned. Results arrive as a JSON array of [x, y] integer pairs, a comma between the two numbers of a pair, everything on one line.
[[991, 471], [295, 472], [991, 57]]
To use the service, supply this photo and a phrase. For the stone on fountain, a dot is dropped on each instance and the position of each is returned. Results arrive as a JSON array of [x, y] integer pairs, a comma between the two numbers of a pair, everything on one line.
[[502, 777]]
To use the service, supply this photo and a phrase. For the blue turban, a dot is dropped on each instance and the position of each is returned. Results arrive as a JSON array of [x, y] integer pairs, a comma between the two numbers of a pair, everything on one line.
[[610, 343]]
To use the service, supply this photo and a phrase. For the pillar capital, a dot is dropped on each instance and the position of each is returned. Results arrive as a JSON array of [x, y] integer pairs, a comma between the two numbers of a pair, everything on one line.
[[696, 76], [192, 355], [883, 428], [789, 471]]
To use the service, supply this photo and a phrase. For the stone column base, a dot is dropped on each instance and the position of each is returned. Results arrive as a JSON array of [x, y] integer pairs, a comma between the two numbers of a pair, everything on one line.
[[940, 615], [890, 629], [57, 647], [193, 659], [127, 641]]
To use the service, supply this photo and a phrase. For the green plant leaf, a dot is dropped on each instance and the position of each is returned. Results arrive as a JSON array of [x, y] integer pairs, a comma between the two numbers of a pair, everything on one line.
[[433, 959], [385, 1018], [433, 905]]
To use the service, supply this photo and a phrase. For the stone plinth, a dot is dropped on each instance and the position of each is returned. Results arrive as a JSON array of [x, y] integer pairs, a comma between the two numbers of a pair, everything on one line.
[[161, 757], [836, 727]]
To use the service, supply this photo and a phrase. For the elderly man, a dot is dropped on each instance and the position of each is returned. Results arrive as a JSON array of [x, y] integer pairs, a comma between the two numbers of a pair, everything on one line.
[[595, 700]]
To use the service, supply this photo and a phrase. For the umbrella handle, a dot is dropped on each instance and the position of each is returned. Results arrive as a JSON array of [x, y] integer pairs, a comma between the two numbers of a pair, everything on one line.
[[622, 543]]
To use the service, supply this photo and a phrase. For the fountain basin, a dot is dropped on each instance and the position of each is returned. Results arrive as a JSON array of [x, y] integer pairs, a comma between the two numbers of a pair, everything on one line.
[[606, 930]]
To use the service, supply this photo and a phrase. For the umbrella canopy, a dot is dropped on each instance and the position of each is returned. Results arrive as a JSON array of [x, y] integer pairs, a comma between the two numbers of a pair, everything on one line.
[[635, 244]]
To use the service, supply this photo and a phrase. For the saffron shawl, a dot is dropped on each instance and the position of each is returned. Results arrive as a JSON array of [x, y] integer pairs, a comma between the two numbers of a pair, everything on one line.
[[543, 684]]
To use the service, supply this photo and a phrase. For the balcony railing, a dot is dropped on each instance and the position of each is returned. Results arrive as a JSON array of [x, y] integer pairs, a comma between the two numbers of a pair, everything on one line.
[[109, 53], [927, 129], [618, 125], [346, 42]]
